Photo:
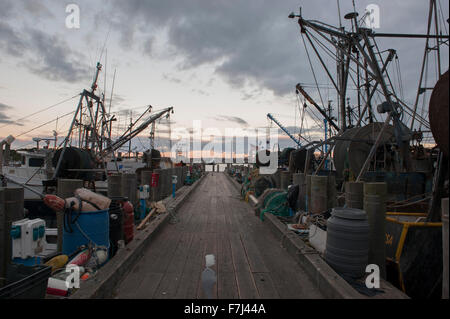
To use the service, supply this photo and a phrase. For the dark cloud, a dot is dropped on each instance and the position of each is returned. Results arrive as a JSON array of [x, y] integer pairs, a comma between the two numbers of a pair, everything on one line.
[[171, 78], [11, 41], [54, 60], [234, 119], [253, 38], [253, 41], [6, 9], [5, 119], [37, 9], [44, 54]]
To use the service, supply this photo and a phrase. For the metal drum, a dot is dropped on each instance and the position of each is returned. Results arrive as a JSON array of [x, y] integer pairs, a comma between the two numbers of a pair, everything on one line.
[[353, 147], [347, 245], [438, 113]]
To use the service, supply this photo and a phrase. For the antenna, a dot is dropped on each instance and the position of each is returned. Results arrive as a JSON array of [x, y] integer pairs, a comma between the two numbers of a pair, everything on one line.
[[104, 45], [106, 64], [339, 14], [112, 91]]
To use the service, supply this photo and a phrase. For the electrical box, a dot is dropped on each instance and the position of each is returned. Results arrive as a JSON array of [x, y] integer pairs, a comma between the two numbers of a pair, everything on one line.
[[144, 192], [28, 238]]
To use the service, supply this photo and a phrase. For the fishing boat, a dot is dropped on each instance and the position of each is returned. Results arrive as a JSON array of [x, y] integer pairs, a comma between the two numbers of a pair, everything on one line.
[[381, 139]]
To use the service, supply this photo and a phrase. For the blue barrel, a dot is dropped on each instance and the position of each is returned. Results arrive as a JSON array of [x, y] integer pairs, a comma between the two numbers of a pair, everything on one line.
[[88, 226]]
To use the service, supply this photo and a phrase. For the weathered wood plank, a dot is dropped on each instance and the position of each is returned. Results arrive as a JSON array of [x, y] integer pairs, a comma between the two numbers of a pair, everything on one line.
[[244, 278], [190, 277], [265, 285], [171, 279]]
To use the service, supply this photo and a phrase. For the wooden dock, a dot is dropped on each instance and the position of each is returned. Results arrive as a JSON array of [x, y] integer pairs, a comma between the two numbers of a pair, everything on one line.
[[250, 261]]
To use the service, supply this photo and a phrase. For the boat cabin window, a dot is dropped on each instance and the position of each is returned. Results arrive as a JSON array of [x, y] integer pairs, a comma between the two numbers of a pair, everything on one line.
[[36, 162]]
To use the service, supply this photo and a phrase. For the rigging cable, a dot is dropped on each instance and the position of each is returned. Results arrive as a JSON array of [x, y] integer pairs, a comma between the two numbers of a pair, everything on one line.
[[40, 111], [312, 70], [37, 127]]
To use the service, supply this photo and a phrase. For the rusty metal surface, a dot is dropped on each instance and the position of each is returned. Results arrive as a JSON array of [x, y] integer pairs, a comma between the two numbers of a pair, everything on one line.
[[438, 113], [354, 151]]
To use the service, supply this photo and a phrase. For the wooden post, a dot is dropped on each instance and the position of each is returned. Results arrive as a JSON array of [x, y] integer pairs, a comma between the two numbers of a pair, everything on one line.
[[319, 194], [115, 185], [11, 209], [129, 187], [354, 195], [5, 239], [299, 179], [445, 248], [375, 207], [14, 202], [285, 179], [157, 191]]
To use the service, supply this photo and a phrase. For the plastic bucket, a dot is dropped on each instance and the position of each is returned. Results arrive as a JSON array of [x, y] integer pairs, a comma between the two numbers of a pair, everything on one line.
[[88, 227]]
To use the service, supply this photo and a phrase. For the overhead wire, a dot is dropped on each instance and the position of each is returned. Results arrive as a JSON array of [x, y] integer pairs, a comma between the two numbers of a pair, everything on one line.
[[40, 111], [42, 125]]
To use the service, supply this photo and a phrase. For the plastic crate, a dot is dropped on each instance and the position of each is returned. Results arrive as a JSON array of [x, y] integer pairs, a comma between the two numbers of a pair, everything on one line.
[[24, 282]]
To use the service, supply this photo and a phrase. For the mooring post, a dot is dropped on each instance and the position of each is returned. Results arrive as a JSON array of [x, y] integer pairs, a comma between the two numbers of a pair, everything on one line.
[[129, 187], [445, 278], [331, 192], [285, 179], [158, 189], [5, 238], [65, 188], [319, 194], [167, 182], [354, 195], [115, 185], [375, 207], [300, 180], [11, 210], [277, 177], [308, 193]]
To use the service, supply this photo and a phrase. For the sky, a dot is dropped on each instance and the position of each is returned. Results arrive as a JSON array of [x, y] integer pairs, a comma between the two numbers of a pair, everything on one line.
[[226, 63]]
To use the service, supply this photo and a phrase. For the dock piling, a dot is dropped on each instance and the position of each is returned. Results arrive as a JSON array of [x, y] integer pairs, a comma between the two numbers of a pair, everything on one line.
[[354, 195], [299, 179], [319, 194], [129, 187], [285, 179], [375, 207], [445, 248], [115, 185]]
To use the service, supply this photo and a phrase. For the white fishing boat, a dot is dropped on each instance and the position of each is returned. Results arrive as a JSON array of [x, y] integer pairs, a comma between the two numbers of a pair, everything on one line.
[[30, 171]]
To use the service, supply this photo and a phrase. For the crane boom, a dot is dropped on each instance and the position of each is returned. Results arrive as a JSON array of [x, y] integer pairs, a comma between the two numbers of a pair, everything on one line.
[[124, 139], [285, 130]]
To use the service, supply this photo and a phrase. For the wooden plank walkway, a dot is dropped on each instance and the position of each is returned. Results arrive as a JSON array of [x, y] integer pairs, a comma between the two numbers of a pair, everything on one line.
[[250, 262]]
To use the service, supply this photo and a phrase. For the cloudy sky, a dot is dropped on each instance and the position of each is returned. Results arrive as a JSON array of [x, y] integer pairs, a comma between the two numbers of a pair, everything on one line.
[[225, 62]]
